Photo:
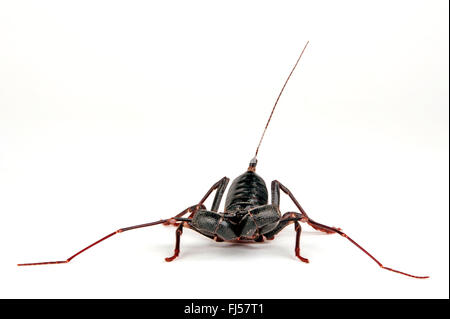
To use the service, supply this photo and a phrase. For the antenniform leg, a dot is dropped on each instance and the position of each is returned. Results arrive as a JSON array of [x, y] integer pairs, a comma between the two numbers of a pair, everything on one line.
[[220, 185], [303, 217], [121, 230]]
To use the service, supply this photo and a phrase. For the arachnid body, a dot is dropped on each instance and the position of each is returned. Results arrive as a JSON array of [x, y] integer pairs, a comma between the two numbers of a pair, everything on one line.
[[248, 215]]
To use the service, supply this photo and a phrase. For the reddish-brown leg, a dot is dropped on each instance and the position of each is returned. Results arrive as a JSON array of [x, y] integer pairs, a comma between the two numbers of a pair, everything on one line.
[[338, 231], [303, 217], [220, 186], [121, 230], [178, 234], [298, 230]]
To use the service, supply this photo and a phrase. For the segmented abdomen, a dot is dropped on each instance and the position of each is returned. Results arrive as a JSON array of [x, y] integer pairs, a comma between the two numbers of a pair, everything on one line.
[[246, 191]]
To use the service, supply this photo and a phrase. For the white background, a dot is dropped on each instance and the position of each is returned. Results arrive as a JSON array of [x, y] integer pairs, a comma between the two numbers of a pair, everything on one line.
[[116, 113]]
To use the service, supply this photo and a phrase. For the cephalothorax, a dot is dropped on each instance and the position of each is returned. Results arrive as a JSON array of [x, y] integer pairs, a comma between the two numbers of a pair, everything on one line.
[[248, 215]]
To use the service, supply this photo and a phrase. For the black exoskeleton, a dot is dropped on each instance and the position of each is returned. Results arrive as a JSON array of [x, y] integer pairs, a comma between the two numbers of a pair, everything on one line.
[[247, 216]]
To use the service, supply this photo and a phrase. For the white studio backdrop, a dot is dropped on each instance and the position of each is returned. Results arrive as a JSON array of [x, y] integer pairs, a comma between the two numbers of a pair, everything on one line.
[[116, 113]]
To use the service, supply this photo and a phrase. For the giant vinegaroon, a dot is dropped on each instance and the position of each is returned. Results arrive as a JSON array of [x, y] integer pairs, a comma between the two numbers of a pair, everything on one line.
[[248, 217]]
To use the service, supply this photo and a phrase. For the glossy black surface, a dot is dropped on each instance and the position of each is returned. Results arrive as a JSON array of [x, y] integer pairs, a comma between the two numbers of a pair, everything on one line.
[[248, 190]]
